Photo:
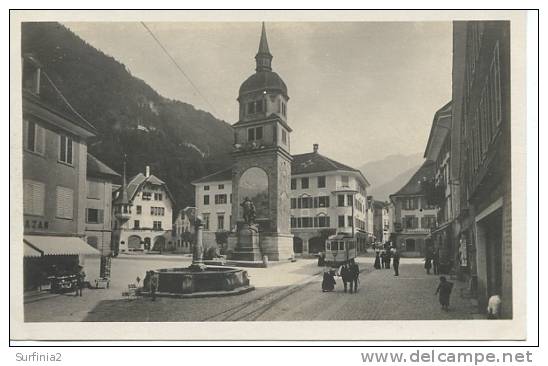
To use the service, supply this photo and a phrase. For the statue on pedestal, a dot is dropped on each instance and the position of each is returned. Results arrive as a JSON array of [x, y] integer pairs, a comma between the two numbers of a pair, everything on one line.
[[249, 211]]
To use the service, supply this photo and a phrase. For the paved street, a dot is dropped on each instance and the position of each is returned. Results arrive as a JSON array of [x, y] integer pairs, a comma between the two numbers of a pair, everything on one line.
[[289, 291]]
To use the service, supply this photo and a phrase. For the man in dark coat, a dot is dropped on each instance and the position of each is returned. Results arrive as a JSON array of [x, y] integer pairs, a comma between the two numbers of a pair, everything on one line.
[[396, 263], [345, 274], [428, 261], [80, 279], [387, 257], [436, 261], [354, 270]]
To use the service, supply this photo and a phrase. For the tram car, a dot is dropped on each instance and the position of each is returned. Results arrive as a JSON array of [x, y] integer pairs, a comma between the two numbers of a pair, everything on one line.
[[340, 249]]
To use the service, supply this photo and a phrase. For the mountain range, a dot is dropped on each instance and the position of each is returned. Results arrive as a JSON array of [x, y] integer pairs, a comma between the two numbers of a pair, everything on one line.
[[388, 175], [178, 142]]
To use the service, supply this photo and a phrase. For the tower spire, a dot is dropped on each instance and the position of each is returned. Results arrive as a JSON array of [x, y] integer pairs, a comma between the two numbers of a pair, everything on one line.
[[125, 199], [263, 58]]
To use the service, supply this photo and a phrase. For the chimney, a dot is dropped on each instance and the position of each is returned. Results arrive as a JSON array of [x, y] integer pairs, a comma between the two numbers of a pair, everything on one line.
[[316, 146], [147, 173]]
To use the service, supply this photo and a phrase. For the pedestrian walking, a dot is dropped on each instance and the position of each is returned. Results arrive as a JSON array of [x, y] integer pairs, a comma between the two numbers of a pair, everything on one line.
[[377, 264], [444, 290], [387, 257], [396, 263], [428, 261], [383, 259], [436, 261], [321, 259], [328, 283], [80, 279], [345, 274], [354, 271]]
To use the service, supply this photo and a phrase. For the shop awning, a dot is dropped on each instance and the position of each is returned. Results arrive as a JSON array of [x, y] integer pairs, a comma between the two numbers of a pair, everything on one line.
[[58, 245], [29, 251], [441, 228]]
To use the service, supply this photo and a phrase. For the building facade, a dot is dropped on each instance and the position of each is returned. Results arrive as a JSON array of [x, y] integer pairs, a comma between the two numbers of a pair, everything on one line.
[[381, 221], [442, 189], [413, 215], [326, 197], [183, 230], [98, 228], [143, 215], [481, 152], [54, 178]]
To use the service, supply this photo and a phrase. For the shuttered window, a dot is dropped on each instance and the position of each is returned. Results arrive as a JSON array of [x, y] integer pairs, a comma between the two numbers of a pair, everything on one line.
[[93, 189], [33, 197], [65, 202]]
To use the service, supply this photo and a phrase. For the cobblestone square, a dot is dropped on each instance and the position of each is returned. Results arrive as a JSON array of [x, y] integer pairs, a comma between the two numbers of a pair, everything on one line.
[[284, 292]]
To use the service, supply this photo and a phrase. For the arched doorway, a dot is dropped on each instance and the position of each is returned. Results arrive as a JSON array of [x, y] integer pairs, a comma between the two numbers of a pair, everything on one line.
[[159, 243], [134, 242], [253, 184], [410, 245], [297, 245], [316, 245]]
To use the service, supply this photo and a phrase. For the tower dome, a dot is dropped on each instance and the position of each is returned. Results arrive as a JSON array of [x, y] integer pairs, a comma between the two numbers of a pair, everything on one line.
[[264, 79]]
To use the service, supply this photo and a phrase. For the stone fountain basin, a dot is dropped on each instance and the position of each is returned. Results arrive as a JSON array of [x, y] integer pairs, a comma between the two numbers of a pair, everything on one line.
[[212, 281]]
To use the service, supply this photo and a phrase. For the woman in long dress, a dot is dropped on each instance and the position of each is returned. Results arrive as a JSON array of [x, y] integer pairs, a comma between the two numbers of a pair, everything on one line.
[[328, 283], [377, 264]]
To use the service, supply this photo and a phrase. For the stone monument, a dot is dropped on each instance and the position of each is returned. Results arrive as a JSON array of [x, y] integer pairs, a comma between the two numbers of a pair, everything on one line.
[[262, 166]]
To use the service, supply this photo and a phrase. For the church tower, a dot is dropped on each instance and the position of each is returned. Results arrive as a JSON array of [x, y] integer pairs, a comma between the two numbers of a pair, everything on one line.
[[262, 169]]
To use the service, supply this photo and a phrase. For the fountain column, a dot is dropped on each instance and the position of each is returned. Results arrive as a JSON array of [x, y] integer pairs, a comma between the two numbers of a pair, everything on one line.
[[198, 250]]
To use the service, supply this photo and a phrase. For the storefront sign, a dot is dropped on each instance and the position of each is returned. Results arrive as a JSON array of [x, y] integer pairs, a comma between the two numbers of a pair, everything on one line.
[[36, 224]]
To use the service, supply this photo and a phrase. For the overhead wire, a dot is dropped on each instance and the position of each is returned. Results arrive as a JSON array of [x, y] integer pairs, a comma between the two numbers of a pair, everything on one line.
[[178, 67]]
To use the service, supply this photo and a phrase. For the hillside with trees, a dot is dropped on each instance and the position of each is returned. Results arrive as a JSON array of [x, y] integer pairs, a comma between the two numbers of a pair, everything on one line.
[[178, 142]]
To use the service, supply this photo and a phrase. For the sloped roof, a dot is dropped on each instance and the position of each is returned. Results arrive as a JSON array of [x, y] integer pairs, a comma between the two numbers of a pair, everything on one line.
[[302, 164], [413, 186], [219, 176], [95, 167], [441, 125], [139, 180], [314, 163], [51, 98]]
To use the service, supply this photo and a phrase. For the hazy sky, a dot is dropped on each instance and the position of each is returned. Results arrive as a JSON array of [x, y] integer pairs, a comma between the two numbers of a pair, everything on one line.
[[363, 91]]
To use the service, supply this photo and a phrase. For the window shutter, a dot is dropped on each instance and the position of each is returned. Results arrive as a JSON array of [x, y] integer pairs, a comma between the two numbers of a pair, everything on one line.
[[25, 134], [40, 140], [100, 216], [33, 197], [65, 201]]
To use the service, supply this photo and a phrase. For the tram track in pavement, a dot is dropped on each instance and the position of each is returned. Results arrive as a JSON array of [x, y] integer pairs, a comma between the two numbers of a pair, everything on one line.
[[252, 309]]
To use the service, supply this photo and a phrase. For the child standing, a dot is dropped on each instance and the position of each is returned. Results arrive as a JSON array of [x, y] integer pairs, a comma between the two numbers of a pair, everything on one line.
[[444, 291]]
